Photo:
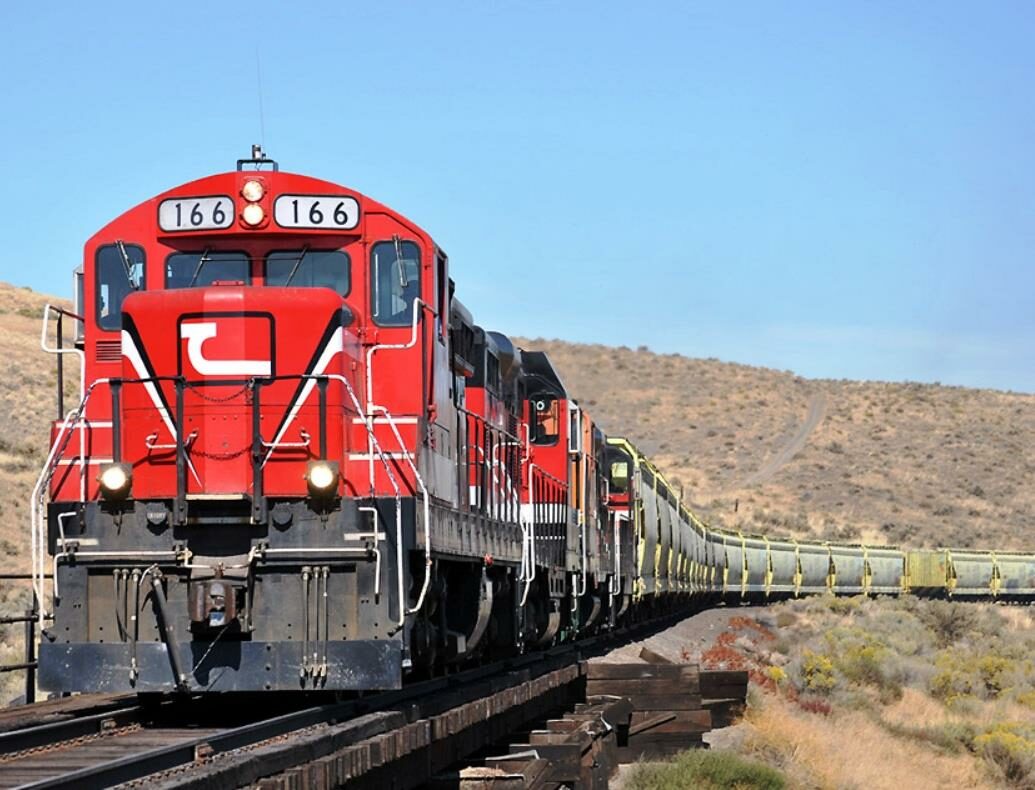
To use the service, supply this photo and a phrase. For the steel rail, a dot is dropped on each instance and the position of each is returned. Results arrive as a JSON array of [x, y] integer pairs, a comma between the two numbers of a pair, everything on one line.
[[20, 740]]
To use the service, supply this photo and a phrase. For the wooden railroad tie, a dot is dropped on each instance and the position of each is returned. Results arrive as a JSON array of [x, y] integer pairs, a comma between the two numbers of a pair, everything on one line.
[[674, 705], [578, 750], [631, 712]]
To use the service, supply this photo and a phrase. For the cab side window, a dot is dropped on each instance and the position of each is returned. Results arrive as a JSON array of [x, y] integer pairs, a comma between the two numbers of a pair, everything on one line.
[[546, 420], [394, 282], [118, 271]]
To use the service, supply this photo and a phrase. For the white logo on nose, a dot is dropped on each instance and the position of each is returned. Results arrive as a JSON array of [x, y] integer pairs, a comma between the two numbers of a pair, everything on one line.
[[197, 334]]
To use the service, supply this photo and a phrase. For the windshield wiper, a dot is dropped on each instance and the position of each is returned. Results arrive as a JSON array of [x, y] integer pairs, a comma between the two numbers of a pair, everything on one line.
[[197, 269], [294, 269], [127, 264], [403, 279]]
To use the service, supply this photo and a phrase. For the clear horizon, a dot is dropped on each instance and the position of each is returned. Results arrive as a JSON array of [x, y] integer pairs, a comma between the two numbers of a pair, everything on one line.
[[843, 192]]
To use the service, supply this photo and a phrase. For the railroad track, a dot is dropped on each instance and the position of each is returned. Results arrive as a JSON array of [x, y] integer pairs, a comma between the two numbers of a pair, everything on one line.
[[108, 748], [52, 711], [200, 743]]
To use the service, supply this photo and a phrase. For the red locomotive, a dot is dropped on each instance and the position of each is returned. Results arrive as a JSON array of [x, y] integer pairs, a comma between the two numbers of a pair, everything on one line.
[[297, 462]]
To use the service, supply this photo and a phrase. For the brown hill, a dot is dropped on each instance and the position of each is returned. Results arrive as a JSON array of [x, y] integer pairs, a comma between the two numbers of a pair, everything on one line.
[[27, 404], [768, 451]]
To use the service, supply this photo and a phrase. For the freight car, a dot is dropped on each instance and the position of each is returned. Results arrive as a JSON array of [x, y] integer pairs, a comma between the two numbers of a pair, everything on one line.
[[297, 463]]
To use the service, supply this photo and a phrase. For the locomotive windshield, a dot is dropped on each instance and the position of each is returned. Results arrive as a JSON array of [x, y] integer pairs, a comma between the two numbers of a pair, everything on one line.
[[310, 269], [198, 269]]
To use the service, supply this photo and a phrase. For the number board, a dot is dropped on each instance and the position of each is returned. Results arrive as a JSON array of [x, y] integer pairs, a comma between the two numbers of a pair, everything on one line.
[[324, 212], [196, 213]]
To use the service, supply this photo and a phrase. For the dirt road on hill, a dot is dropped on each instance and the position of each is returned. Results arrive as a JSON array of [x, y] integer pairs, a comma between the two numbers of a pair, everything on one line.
[[817, 410]]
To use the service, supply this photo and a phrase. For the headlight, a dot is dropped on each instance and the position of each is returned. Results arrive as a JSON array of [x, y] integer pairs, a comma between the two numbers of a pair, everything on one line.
[[253, 214], [322, 477], [115, 481], [252, 191]]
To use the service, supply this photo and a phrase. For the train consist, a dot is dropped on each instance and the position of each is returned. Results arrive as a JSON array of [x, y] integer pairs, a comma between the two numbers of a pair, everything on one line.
[[298, 464]]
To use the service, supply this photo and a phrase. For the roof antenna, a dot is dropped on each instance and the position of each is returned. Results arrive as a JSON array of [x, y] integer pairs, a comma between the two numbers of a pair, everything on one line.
[[262, 113], [258, 159]]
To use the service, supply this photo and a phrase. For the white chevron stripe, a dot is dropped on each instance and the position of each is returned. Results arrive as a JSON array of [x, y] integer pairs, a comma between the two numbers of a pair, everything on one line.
[[132, 353], [334, 347]]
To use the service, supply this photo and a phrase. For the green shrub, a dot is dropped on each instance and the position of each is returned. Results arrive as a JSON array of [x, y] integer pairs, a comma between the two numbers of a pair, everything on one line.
[[963, 675], [1010, 752], [706, 770], [949, 621], [817, 670], [845, 605]]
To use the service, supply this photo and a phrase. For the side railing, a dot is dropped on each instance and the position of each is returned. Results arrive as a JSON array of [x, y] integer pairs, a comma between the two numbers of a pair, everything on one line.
[[74, 422], [321, 381], [492, 469], [28, 619], [70, 421], [544, 521], [60, 351]]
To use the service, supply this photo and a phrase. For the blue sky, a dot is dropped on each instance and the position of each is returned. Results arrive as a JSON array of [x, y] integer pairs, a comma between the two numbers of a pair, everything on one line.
[[843, 190]]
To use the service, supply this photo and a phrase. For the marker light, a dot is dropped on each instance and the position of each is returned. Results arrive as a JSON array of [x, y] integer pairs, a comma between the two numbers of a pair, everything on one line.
[[115, 481], [322, 477], [253, 214], [253, 191]]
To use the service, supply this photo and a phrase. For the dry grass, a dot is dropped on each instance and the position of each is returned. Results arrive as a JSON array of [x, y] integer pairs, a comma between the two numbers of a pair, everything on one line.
[[848, 749], [936, 689], [27, 404]]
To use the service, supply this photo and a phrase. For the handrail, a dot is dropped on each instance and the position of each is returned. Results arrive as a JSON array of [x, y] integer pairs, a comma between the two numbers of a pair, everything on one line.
[[59, 350], [302, 445], [505, 481], [427, 510], [418, 316], [36, 525], [374, 444], [529, 561]]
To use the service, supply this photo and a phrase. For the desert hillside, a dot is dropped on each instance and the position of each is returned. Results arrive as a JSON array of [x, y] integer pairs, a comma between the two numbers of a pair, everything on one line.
[[758, 449], [769, 451], [27, 404], [755, 448]]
